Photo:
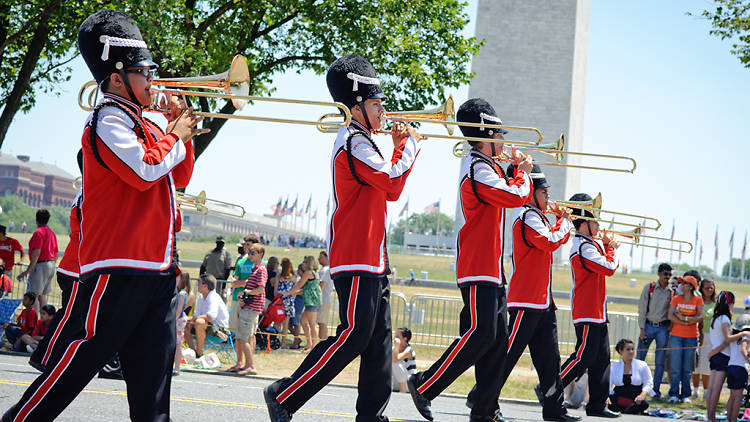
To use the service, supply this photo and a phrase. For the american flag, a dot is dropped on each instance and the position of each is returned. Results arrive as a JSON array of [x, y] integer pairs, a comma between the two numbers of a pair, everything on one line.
[[315, 215], [716, 244], [285, 208], [309, 203], [328, 205], [432, 208], [276, 208], [294, 205], [656, 254], [404, 209], [744, 246]]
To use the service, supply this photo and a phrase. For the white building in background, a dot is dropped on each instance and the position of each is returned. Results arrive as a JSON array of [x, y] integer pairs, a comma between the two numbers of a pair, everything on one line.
[[213, 224], [532, 69]]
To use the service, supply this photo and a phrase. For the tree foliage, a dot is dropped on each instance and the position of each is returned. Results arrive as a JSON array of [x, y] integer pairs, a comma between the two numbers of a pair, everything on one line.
[[736, 269], [415, 45], [731, 20], [15, 210], [422, 224]]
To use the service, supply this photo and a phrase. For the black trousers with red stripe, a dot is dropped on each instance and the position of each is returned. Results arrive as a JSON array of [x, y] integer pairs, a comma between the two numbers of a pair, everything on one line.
[[68, 327], [592, 353], [132, 315], [364, 331], [537, 329], [483, 343]]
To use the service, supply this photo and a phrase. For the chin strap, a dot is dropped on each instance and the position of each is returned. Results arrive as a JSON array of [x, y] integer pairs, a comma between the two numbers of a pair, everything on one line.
[[361, 105], [128, 87]]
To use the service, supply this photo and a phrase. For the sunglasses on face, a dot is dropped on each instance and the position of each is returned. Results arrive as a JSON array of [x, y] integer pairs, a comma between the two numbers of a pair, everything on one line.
[[666, 274], [147, 73], [252, 253]]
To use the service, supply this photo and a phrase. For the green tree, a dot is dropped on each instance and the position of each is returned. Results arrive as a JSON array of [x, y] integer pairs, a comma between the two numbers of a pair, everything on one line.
[[415, 45], [679, 268], [731, 19], [422, 224], [15, 210], [736, 268]]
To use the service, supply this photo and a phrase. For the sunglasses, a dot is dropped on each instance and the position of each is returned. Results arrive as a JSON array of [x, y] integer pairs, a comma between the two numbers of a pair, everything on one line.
[[252, 253], [667, 274], [147, 73]]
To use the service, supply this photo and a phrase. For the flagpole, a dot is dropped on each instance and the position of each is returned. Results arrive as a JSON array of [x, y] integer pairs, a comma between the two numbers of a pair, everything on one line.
[[731, 251], [742, 266], [695, 252], [671, 244], [437, 238], [643, 270]]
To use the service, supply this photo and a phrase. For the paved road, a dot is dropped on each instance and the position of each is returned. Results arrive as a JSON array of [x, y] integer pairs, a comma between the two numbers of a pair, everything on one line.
[[205, 397]]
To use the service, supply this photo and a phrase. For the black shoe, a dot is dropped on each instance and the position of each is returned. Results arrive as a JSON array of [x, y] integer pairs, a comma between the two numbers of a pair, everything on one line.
[[562, 417], [36, 365], [497, 417], [539, 394], [604, 413], [420, 402], [276, 411]]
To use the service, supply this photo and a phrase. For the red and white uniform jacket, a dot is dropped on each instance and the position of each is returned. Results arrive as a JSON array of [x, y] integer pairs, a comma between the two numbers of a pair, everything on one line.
[[479, 243], [534, 240], [356, 231], [590, 264], [69, 263], [128, 214]]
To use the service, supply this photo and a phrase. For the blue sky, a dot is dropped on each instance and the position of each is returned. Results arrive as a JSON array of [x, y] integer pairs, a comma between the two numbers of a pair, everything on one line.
[[659, 89]]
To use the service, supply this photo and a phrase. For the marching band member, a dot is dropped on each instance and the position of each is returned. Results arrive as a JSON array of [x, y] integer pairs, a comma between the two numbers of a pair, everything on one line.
[[485, 192], [591, 263], [363, 180], [128, 220], [532, 310]]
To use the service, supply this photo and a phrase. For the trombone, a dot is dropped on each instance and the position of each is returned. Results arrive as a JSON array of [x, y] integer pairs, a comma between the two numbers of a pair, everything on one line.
[[202, 205], [446, 116], [233, 85], [78, 183], [555, 149], [595, 207], [636, 235]]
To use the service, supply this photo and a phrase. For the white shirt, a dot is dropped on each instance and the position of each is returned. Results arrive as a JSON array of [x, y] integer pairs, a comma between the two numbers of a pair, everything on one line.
[[214, 307], [325, 277], [641, 375], [735, 353], [717, 335]]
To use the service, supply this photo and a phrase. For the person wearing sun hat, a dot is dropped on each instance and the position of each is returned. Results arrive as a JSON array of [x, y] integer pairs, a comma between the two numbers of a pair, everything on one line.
[[685, 312]]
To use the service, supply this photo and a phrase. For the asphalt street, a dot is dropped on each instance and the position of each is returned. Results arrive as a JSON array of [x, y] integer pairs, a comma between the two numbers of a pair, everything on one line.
[[206, 397]]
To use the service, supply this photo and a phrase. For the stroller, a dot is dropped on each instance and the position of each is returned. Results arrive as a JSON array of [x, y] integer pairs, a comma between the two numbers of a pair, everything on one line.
[[268, 338]]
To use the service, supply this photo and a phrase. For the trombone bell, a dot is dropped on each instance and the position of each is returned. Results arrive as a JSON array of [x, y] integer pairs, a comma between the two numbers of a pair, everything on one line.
[[445, 113]]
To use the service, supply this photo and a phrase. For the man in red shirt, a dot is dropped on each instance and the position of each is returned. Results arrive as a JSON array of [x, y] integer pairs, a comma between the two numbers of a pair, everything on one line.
[[8, 248], [42, 256]]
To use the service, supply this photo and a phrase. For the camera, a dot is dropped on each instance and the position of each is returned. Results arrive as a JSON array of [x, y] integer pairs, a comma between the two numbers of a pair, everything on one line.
[[245, 298]]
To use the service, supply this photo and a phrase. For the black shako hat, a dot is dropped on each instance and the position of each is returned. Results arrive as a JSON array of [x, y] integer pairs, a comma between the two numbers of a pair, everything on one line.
[[580, 197], [110, 41], [538, 179], [351, 80], [478, 110]]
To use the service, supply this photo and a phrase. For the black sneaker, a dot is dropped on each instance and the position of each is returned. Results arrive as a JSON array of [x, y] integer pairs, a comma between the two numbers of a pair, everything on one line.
[[562, 417], [36, 365], [420, 402], [604, 413], [496, 417], [276, 411], [539, 394]]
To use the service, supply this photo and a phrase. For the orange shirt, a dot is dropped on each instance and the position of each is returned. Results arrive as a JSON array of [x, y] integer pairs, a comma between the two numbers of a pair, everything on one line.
[[686, 309]]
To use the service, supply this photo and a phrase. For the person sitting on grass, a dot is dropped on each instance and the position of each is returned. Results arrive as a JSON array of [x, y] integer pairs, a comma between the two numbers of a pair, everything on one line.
[[24, 324], [631, 379], [404, 362], [31, 341]]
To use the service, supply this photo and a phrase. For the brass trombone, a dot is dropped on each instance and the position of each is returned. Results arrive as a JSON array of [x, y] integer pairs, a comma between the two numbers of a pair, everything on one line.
[[595, 207], [78, 183], [446, 116], [234, 86], [636, 235], [555, 149], [202, 205]]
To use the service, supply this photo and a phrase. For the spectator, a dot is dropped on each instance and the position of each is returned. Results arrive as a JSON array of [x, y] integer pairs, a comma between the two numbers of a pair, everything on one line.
[[577, 392], [309, 284], [411, 277], [653, 307], [702, 370], [211, 316], [23, 227], [299, 307], [217, 262], [10, 226], [42, 256], [718, 358], [273, 277], [8, 248], [685, 311], [253, 302], [31, 341], [737, 369], [326, 300], [242, 270], [184, 291], [284, 287], [631, 379], [6, 284], [404, 362], [24, 324]]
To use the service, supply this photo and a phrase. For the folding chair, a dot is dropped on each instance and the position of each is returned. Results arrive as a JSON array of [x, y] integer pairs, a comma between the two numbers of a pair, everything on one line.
[[222, 348], [8, 309]]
